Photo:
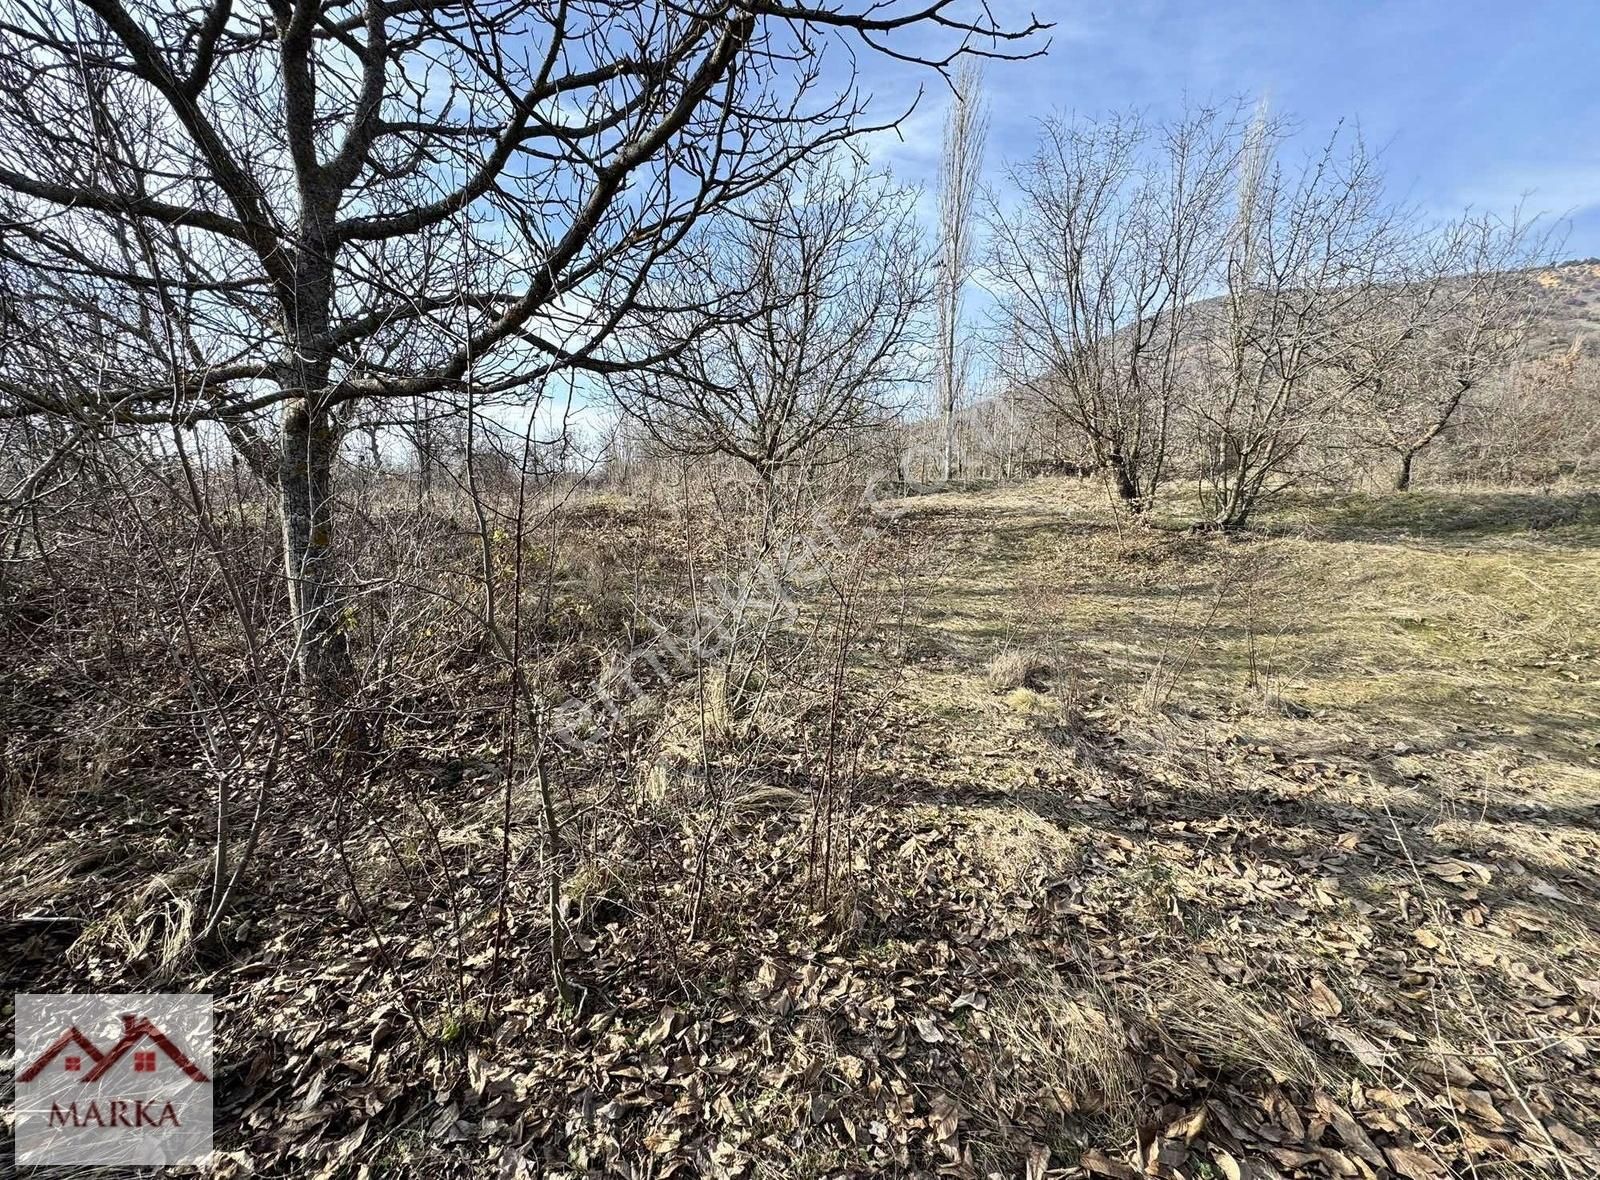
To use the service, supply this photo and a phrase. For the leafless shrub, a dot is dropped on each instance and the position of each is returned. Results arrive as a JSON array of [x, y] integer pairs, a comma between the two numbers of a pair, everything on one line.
[[1536, 422], [824, 274]]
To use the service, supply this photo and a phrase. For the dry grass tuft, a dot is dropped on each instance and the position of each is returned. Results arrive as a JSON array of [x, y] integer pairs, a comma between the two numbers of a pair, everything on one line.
[[1019, 846], [1060, 1046], [1555, 850], [1188, 1002], [158, 921], [1017, 669], [767, 798], [1027, 701]]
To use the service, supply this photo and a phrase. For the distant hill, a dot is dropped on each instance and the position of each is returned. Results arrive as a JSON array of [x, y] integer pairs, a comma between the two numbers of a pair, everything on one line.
[[1572, 310]]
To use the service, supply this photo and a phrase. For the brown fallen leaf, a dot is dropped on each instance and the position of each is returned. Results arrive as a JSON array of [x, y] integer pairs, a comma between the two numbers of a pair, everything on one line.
[[1038, 1162], [1337, 1162], [945, 1119], [1349, 1130], [1323, 1000], [1290, 1158], [1098, 1163], [1365, 1051], [662, 1029], [1188, 1127], [1481, 1103], [1460, 871], [1485, 1146], [1413, 1164], [1571, 1140]]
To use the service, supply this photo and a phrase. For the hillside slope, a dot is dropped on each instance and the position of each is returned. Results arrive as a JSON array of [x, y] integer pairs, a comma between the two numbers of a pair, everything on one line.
[[1169, 855]]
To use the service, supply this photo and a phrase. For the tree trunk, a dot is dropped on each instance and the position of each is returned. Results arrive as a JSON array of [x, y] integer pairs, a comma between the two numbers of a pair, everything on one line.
[[949, 431], [1229, 502], [1127, 486], [422, 440], [1402, 480], [305, 487], [768, 492]]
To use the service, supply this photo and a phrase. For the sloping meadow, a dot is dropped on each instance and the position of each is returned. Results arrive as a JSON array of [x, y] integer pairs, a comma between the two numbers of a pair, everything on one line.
[[985, 836]]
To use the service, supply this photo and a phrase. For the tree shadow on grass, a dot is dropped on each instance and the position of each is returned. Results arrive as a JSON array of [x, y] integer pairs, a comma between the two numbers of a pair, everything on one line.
[[1299, 831], [1451, 517]]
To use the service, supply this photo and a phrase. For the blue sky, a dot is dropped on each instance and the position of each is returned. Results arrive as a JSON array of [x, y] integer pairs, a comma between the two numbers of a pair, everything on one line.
[[1470, 102]]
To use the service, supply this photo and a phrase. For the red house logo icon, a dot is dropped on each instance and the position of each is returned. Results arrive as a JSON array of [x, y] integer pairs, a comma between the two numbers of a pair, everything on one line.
[[80, 1056]]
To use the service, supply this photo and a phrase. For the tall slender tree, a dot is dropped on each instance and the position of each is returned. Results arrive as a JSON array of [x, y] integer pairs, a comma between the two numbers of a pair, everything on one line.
[[966, 131]]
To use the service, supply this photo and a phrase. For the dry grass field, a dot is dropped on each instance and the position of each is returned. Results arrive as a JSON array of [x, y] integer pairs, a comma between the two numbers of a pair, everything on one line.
[[1315, 810], [544, 578], [1166, 854]]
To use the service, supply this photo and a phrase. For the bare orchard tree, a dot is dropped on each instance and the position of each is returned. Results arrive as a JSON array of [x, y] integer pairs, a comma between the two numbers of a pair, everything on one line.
[[1458, 312], [259, 213], [966, 131], [1534, 422], [825, 269], [1306, 248], [1119, 225]]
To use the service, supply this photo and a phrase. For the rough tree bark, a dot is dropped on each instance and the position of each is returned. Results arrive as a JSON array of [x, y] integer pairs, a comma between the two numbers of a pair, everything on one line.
[[307, 448], [1402, 479]]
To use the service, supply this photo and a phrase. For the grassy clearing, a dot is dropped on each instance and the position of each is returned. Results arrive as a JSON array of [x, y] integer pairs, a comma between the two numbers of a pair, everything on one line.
[[1331, 791], [1477, 633]]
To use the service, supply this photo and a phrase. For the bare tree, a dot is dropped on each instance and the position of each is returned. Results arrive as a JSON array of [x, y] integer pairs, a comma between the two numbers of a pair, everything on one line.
[[825, 275], [1119, 226], [260, 214], [1306, 249], [966, 131], [1457, 312], [1536, 420]]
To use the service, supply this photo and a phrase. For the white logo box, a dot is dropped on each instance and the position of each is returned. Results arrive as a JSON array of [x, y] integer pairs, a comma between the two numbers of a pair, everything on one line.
[[113, 1079]]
